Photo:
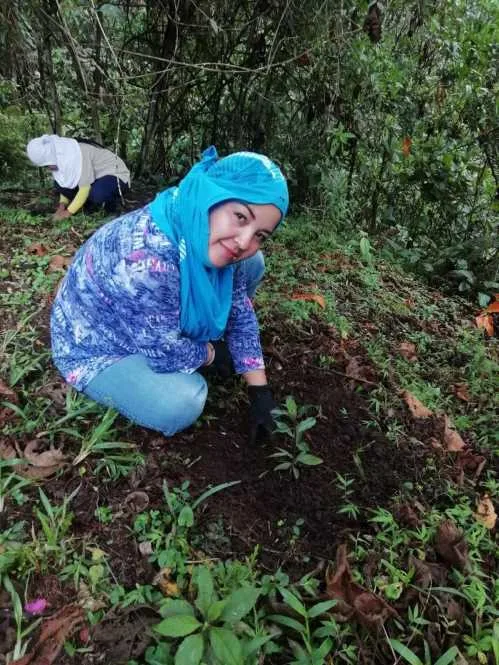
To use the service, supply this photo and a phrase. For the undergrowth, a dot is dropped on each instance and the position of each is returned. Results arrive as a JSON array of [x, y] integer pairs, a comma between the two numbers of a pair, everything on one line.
[[204, 609]]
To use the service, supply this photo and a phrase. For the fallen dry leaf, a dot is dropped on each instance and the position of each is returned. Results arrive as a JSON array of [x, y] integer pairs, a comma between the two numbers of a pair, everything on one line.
[[408, 351], [352, 599], [7, 393], [40, 465], [54, 632], [407, 516], [427, 574], [358, 371], [59, 263], [137, 501], [37, 248], [460, 390], [485, 319], [165, 583], [48, 458], [451, 545], [123, 635], [417, 408], [87, 601], [313, 297], [485, 512], [451, 439], [56, 391], [471, 462], [7, 451]]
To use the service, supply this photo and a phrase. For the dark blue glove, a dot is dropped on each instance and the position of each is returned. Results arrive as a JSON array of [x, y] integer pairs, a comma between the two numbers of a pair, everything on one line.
[[261, 422], [222, 364]]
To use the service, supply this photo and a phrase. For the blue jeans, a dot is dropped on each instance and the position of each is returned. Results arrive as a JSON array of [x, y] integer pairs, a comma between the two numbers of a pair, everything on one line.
[[102, 191], [165, 402]]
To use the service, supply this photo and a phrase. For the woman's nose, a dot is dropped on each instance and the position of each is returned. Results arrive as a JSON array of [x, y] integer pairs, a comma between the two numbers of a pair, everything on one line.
[[244, 238]]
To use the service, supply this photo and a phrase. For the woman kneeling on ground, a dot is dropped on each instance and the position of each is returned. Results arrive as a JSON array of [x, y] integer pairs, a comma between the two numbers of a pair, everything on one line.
[[86, 174], [148, 299]]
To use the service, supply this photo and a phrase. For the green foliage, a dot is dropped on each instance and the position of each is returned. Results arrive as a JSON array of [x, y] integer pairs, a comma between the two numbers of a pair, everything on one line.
[[290, 423], [397, 137], [212, 627]]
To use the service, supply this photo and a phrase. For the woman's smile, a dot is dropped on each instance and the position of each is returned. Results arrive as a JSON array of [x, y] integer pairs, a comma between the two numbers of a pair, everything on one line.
[[237, 230]]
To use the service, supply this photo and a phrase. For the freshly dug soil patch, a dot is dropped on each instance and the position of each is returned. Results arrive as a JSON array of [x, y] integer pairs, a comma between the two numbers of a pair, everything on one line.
[[265, 506]]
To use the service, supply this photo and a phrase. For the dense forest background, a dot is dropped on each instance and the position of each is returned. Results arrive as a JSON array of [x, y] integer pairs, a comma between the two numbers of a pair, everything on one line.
[[382, 115]]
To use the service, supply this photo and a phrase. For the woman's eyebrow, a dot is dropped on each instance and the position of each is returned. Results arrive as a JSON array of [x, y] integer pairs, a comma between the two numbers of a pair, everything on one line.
[[249, 210]]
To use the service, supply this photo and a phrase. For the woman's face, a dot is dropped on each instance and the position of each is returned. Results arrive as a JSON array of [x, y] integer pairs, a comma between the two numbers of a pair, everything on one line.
[[237, 230]]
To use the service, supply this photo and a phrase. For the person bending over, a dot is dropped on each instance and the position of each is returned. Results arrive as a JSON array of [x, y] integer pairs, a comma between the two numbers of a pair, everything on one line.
[[85, 173]]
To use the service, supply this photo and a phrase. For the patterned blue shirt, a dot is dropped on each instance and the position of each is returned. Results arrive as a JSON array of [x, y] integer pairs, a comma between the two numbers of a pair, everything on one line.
[[121, 296]]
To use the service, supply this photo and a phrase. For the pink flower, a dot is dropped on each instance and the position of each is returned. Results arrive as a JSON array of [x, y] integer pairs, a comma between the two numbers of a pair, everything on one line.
[[37, 606]]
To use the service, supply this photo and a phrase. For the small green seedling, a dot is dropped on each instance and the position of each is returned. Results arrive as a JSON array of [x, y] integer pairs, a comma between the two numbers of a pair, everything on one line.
[[291, 422]]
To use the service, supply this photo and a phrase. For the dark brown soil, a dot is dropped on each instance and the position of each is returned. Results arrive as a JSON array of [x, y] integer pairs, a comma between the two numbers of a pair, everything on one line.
[[265, 506]]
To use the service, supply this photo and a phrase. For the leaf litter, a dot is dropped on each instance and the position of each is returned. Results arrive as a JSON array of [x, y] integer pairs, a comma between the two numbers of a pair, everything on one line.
[[353, 601], [55, 630], [7, 393], [451, 545], [31, 463], [485, 512]]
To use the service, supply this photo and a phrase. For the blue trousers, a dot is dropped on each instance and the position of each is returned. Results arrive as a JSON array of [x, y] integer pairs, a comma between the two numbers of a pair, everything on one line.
[[102, 191], [165, 402]]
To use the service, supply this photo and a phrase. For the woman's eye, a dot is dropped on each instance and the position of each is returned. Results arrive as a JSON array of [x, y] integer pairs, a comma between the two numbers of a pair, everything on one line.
[[240, 216]]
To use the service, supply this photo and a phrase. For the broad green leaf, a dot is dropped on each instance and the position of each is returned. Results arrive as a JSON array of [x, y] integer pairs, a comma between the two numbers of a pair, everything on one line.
[[309, 460], [216, 609], [96, 573], [186, 517], [255, 644], [226, 646], [175, 607], [320, 654], [448, 657], [204, 582], [294, 602], [190, 651], [177, 626], [239, 603], [405, 652], [158, 655], [320, 608], [287, 621], [306, 424]]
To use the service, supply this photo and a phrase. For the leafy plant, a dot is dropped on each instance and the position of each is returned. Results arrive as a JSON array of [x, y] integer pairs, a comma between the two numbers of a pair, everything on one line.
[[168, 532], [291, 422], [212, 627], [314, 644]]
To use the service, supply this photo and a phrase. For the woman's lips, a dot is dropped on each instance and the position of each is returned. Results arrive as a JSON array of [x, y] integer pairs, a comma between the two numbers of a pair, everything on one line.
[[230, 253]]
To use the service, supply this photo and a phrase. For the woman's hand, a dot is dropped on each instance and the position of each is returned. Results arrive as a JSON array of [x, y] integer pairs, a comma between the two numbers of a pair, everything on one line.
[[261, 421], [61, 213]]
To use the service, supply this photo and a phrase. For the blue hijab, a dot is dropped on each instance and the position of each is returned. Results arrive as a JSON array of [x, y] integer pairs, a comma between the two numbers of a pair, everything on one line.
[[182, 213]]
